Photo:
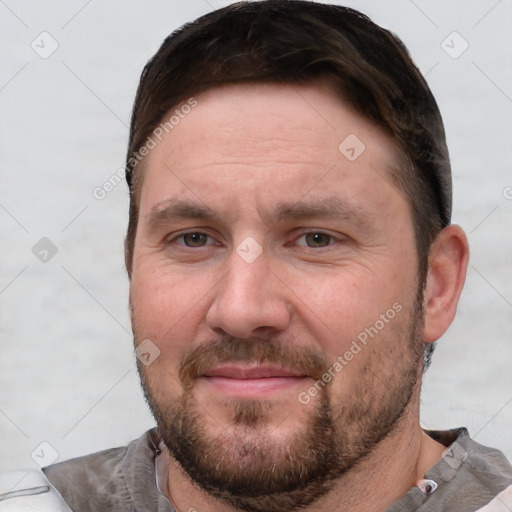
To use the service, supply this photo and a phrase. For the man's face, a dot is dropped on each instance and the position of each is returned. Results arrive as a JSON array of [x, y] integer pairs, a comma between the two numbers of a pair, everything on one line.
[[276, 272]]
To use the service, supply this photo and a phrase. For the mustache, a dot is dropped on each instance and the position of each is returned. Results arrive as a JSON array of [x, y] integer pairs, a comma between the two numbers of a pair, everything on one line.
[[228, 349]]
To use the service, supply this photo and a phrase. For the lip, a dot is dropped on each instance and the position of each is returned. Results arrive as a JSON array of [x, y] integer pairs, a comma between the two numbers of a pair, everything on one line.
[[252, 380], [246, 372]]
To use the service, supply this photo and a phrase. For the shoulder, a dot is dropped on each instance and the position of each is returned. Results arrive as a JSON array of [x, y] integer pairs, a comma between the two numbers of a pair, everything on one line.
[[490, 474], [90, 479], [106, 480], [487, 465], [21, 491], [468, 477], [471, 475], [501, 503]]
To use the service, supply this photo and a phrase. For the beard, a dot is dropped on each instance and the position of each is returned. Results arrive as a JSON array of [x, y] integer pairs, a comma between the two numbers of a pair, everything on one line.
[[245, 463]]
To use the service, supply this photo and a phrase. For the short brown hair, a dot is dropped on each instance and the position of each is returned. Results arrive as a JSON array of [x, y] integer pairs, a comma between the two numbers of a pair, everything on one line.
[[297, 42]]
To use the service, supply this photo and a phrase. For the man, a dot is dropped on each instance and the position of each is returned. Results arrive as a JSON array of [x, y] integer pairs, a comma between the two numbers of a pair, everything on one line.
[[292, 264]]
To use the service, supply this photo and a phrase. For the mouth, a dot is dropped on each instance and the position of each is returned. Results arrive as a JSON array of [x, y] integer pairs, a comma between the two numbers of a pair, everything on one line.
[[252, 380]]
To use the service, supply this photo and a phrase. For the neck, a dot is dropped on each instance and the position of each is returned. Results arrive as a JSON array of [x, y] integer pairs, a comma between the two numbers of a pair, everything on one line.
[[394, 466]]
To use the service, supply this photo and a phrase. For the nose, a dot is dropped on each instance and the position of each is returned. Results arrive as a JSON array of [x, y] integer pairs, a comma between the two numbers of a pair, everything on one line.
[[249, 301]]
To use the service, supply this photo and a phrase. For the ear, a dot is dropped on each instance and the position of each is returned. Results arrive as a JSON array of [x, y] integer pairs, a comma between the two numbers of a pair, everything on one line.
[[128, 257], [448, 261]]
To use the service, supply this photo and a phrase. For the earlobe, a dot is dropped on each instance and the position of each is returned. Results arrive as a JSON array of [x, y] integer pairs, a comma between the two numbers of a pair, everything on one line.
[[448, 261]]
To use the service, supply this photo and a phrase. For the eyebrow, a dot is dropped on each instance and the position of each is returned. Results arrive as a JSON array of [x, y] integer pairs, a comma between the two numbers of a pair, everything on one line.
[[329, 207], [178, 209], [332, 207]]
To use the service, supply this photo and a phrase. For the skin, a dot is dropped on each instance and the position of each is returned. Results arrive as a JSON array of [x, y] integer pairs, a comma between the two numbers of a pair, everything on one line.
[[243, 150]]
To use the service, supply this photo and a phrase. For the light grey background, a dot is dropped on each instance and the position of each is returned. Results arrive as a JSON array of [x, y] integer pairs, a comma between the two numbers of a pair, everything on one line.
[[67, 372]]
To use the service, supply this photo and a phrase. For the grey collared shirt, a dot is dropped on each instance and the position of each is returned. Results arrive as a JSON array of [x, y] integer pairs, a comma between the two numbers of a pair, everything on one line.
[[468, 476]]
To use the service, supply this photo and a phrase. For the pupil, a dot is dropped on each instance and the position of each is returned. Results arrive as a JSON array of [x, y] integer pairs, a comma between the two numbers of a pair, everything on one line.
[[318, 239], [195, 239]]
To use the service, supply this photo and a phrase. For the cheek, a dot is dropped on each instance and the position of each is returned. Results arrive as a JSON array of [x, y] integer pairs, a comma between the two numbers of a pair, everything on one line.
[[366, 364], [167, 307], [338, 304], [166, 310]]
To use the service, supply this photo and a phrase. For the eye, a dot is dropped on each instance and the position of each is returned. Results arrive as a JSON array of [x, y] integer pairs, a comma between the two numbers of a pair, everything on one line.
[[195, 239], [192, 246], [315, 240]]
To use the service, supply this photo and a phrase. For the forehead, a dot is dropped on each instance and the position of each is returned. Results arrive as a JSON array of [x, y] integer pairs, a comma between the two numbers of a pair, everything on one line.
[[267, 142]]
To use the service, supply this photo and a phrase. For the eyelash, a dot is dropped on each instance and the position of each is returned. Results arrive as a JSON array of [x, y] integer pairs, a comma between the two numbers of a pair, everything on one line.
[[192, 233], [332, 239]]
